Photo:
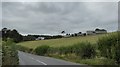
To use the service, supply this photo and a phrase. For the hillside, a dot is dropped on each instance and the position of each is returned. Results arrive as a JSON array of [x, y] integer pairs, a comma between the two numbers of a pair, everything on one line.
[[61, 41], [75, 53]]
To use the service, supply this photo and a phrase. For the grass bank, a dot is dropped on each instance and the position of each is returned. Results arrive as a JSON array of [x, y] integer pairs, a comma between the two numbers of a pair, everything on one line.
[[61, 42], [83, 50]]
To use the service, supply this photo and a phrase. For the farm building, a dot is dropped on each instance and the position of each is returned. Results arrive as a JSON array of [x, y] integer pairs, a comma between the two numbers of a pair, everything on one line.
[[100, 31], [67, 35], [40, 38], [91, 32], [97, 31]]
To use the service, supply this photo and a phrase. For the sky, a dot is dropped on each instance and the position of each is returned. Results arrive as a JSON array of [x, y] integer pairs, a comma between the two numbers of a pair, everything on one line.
[[54, 17]]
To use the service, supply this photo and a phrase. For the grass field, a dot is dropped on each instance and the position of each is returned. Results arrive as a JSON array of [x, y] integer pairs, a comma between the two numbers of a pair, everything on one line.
[[97, 60], [61, 42]]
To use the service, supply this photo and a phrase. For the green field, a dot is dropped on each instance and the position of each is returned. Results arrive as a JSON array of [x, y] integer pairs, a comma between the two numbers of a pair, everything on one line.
[[61, 42], [93, 39]]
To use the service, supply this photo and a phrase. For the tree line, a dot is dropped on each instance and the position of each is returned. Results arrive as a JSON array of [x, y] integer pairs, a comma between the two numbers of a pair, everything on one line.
[[17, 37], [13, 34]]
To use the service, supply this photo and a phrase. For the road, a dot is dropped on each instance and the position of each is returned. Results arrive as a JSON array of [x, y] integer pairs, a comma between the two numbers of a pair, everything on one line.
[[30, 59]]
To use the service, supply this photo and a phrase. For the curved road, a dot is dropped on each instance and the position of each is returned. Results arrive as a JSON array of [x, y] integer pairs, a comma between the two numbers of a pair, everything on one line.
[[30, 59]]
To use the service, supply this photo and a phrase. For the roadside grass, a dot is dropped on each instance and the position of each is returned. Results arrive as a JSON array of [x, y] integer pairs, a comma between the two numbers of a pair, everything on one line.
[[93, 61]]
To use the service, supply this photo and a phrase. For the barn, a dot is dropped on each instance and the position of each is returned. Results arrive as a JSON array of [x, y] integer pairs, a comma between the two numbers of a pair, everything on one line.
[[91, 32], [100, 31], [97, 31]]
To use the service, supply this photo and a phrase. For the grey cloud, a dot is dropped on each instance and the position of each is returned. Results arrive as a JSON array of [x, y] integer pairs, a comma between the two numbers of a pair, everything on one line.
[[0, 15], [53, 17], [60, 0]]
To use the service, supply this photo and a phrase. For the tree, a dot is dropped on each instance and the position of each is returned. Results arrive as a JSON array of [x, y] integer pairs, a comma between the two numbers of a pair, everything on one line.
[[4, 35], [62, 32], [84, 34], [13, 34], [80, 33], [67, 34], [75, 34], [97, 29]]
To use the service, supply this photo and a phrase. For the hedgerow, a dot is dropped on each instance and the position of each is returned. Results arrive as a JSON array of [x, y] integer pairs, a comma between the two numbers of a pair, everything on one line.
[[109, 47], [9, 53], [41, 50]]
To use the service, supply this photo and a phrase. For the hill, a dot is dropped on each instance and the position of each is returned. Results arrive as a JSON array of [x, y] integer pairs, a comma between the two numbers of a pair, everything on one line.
[[62, 41], [73, 54]]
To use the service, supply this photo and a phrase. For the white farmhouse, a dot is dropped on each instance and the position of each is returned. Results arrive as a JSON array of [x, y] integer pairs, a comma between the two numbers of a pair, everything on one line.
[[40, 38]]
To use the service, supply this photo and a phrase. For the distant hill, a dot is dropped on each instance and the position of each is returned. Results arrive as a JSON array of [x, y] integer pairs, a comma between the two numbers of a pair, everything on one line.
[[62, 41]]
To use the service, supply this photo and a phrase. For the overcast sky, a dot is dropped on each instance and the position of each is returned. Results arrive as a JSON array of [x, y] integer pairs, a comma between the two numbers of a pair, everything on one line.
[[53, 17]]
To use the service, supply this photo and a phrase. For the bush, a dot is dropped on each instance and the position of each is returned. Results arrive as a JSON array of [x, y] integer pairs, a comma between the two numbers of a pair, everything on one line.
[[84, 50], [42, 50], [106, 45], [64, 50], [10, 53], [109, 47], [24, 49]]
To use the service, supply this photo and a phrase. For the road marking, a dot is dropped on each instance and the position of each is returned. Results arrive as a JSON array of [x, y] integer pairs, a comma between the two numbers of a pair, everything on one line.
[[41, 62], [38, 61], [32, 58]]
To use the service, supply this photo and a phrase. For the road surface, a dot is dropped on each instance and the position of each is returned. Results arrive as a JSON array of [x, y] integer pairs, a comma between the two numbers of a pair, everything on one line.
[[30, 59]]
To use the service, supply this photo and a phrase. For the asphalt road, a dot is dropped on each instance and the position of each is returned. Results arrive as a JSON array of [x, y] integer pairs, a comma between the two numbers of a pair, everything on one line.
[[30, 59]]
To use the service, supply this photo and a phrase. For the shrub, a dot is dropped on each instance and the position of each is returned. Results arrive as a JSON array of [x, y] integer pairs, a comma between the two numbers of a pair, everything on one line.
[[109, 47], [42, 50], [84, 50], [52, 50], [106, 45], [64, 50], [10, 53], [24, 49]]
